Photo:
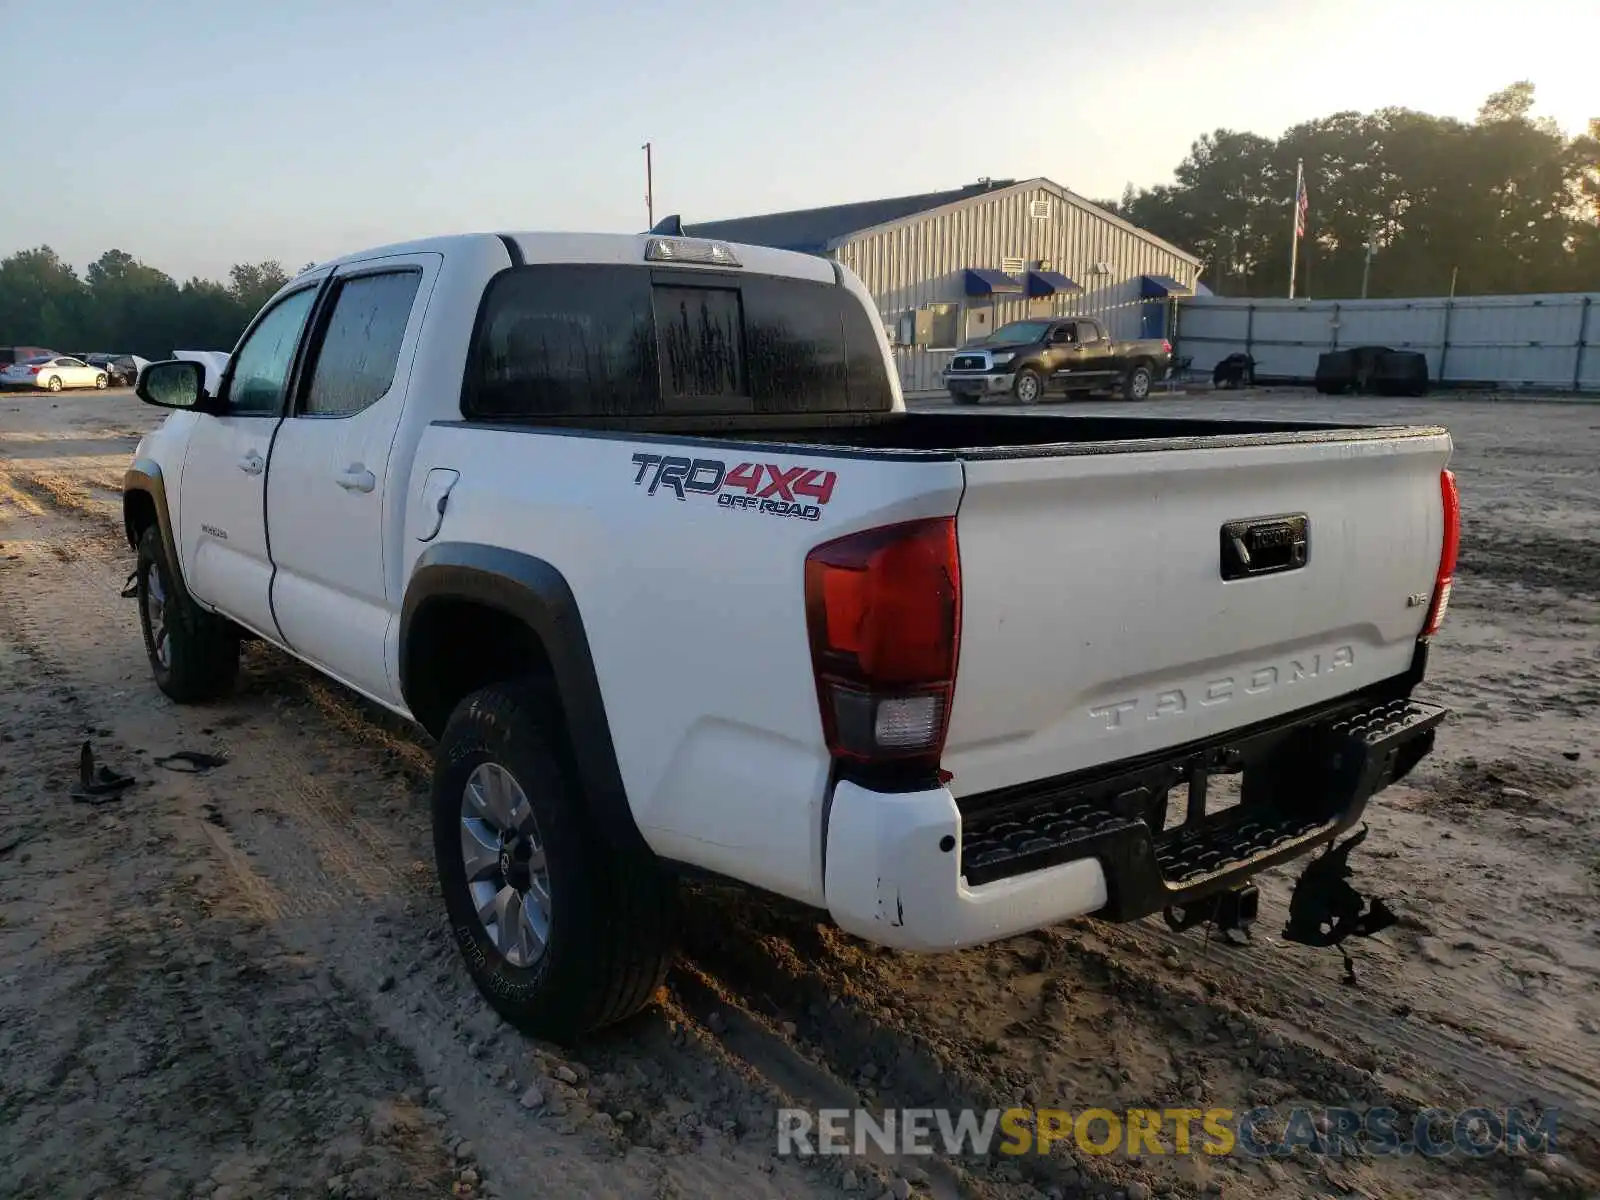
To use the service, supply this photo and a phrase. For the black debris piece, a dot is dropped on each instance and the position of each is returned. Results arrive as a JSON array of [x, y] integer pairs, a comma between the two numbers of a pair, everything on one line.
[[1324, 909], [98, 785]]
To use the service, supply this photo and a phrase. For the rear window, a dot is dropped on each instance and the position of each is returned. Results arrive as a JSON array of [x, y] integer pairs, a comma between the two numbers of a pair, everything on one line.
[[638, 342]]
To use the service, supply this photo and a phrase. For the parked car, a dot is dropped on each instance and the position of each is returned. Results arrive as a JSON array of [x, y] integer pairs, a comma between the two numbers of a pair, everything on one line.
[[53, 374], [121, 369], [641, 530], [1028, 360]]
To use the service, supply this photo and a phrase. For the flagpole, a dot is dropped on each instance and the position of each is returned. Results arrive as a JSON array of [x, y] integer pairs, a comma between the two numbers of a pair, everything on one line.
[[1294, 223]]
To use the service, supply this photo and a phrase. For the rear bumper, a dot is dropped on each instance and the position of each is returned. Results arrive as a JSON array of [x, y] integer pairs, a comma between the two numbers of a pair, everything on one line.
[[920, 871]]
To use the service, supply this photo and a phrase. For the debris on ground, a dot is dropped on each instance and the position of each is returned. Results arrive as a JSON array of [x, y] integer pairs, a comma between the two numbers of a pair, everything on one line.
[[98, 785]]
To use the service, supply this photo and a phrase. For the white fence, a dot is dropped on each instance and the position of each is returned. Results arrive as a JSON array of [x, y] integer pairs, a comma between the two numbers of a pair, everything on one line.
[[1544, 342]]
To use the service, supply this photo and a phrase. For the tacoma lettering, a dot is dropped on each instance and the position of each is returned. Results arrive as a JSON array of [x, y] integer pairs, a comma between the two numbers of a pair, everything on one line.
[[1176, 701]]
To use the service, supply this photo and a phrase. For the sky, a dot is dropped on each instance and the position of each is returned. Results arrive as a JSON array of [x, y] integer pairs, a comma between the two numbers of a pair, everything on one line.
[[197, 135]]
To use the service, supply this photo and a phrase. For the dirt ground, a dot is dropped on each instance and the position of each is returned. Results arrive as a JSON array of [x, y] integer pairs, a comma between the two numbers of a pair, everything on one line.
[[237, 983]]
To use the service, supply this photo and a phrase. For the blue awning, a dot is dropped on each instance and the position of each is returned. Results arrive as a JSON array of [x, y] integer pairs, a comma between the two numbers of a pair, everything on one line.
[[991, 283], [1051, 283], [1162, 287]]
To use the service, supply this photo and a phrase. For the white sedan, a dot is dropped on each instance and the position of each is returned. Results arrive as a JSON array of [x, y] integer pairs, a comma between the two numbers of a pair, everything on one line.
[[53, 374]]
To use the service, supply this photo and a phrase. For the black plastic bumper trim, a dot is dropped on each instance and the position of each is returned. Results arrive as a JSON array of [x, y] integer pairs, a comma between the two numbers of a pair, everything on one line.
[[1329, 763]]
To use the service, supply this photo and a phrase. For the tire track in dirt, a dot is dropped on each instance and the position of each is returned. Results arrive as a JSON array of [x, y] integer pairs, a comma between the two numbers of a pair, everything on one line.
[[1054, 1019], [149, 1048], [348, 896]]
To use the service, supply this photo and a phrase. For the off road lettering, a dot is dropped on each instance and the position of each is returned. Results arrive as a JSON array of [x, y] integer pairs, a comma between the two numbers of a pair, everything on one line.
[[771, 489]]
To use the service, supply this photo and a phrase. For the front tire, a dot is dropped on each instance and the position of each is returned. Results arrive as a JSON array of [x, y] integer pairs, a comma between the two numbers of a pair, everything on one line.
[[1136, 384], [53, 383], [1028, 386], [563, 931], [101, 383], [194, 655]]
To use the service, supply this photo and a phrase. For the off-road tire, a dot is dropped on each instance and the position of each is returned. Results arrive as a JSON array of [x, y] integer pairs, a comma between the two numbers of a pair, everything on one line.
[[1136, 383], [613, 910], [1031, 391], [202, 648]]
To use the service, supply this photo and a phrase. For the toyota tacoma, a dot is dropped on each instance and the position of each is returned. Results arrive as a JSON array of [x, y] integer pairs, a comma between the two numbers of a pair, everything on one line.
[[640, 530]]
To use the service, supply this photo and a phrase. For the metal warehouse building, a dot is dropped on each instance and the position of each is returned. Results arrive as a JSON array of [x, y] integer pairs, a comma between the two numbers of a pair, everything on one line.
[[948, 267]]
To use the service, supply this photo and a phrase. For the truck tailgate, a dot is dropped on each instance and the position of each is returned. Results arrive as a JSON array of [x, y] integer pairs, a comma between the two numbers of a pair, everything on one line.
[[1097, 623]]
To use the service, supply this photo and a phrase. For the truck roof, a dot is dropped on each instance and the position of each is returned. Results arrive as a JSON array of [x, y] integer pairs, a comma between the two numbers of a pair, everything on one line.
[[615, 248]]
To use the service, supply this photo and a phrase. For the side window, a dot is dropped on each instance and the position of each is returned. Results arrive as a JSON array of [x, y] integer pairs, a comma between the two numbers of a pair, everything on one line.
[[261, 366], [1063, 335], [360, 347], [1088, 331]]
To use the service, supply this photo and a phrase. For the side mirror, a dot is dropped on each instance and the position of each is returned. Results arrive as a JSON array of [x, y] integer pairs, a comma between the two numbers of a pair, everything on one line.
[[175, 384]]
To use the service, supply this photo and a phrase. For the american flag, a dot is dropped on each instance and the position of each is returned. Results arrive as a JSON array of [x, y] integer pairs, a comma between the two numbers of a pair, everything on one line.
[[1302, 206]]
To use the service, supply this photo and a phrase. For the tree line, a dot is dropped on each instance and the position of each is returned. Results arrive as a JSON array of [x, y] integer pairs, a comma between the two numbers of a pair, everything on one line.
[[122, 306], [1502, 204]]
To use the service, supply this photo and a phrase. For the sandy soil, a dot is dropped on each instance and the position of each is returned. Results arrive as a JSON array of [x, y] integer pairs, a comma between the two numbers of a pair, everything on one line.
[[238, 983]]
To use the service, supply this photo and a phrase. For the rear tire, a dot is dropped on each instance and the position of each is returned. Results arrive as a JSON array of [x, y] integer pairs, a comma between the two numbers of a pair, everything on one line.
[[1136, 383], [583, 930], [1028, 386], [194, 655], [53, 383]]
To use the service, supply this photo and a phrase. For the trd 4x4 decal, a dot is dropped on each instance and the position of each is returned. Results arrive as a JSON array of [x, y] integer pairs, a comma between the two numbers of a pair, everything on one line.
[[757, 486]]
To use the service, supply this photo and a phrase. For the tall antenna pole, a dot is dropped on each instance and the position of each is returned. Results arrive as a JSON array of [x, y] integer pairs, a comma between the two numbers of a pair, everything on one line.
[[649, 187]]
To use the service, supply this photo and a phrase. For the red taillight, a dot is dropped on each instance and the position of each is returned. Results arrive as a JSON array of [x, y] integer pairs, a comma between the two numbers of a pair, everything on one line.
[[1448, 551], [33, 370], [884, 612], [1166, 347]]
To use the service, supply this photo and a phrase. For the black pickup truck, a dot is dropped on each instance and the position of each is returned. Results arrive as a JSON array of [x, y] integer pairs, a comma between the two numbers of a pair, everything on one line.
[[1029, 359]]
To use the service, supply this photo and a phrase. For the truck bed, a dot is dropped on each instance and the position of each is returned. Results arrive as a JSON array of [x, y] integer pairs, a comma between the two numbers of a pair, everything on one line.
[[945, 435], [988, 436]]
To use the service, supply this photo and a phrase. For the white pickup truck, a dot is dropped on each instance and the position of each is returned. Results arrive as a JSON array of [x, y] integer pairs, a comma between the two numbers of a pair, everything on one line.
[[641, 531]]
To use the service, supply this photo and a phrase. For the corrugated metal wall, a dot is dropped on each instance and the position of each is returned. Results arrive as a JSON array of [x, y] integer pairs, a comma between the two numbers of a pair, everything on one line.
[[1514, 341], [922, 262]]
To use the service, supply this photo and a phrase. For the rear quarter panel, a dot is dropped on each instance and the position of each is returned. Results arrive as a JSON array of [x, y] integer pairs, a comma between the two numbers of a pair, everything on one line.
[[694, 610]]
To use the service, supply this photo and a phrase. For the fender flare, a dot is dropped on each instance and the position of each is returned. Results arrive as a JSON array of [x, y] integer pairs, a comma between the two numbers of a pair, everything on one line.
[[538, 595], [144, 475]]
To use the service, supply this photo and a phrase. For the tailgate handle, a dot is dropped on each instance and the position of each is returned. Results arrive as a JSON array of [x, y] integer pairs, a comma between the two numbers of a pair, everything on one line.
[[1265, 545]]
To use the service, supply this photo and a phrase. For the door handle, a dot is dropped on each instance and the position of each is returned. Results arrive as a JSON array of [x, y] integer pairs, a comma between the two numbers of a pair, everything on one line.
[[252, 463], [356, 478]]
